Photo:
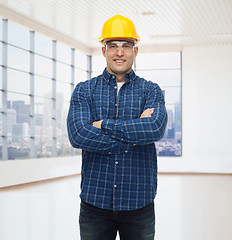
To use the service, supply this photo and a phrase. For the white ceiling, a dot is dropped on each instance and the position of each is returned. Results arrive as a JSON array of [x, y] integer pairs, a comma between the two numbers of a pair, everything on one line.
[[162, 24]]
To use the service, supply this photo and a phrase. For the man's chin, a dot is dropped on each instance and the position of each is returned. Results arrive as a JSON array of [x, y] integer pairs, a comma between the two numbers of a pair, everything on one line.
[[119, 71]]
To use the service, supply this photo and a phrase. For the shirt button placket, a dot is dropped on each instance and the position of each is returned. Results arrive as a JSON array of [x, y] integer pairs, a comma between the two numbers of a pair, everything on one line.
[[115, 183]]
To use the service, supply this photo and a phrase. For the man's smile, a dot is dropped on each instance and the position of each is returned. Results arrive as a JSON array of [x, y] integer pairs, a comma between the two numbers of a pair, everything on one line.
[[119, 60]]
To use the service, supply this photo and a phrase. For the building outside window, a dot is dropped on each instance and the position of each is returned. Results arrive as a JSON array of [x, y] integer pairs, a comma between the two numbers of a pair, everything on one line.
[[38, 76], [165, 70]]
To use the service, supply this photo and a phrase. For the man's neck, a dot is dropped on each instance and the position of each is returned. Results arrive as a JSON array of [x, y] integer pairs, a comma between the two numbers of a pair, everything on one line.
[[120, 78]]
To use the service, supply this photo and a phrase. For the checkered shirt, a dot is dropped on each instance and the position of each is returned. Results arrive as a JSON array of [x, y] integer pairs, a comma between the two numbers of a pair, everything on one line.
[[119, 162]]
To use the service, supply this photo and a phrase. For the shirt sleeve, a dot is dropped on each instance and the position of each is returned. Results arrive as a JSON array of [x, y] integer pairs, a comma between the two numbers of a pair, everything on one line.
[[81, 132], [141, 131]]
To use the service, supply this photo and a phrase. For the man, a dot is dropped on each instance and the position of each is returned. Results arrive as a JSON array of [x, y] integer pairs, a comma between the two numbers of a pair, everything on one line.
[[115, 119]]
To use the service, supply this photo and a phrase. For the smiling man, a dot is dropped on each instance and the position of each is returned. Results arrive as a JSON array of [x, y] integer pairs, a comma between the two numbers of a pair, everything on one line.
[[115, 119], [120, 57]]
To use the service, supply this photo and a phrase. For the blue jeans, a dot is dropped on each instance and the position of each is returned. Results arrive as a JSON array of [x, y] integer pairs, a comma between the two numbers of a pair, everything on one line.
[[100, 224]]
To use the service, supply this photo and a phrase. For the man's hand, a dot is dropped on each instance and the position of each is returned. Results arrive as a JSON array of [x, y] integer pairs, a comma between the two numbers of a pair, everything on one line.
[[97, 124], [147, 113]]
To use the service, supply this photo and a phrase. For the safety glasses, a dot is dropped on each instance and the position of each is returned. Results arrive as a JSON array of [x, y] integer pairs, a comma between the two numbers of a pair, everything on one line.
[[113, 46]]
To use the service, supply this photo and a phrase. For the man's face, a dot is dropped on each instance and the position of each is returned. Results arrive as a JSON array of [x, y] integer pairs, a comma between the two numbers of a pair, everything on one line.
[[119, 56]]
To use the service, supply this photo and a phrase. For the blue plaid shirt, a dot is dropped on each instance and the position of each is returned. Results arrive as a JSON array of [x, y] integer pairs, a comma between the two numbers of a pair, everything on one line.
[[119, 163]]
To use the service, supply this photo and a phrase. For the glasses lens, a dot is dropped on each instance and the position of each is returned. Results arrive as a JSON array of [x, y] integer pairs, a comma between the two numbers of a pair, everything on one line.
[[125, 46]]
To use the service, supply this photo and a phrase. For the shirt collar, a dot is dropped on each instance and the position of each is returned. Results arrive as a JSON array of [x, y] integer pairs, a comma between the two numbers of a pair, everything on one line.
[[108, 77]]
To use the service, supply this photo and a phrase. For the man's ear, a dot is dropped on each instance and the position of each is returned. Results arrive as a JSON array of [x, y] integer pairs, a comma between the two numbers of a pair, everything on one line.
[[136, 49], [104, 51]]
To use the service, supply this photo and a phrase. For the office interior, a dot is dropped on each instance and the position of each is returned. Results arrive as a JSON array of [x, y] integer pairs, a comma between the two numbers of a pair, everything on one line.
[[39, 194]]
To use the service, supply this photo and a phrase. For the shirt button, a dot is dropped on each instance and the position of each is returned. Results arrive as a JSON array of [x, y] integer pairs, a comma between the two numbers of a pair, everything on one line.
[[115, 87], [113, 77], [109, 152], [115, 186], [126, 151], [122, 139], [116, 104], [116, 162]]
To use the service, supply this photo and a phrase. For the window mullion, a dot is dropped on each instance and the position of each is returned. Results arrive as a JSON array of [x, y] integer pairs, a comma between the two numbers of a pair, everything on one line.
[[72, 69], [54, 138], [4, 90], [32, 94], [72, 81], [89, 66]]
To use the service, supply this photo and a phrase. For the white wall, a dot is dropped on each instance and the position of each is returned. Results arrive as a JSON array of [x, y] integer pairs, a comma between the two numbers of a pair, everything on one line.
[[207, 111]]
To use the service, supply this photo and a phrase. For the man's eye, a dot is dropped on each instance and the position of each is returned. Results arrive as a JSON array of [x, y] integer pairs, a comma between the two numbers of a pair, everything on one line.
[[128, 46], [112, 46]]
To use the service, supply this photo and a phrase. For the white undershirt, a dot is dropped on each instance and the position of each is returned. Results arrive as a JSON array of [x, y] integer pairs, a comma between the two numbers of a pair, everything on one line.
[[119, 86]]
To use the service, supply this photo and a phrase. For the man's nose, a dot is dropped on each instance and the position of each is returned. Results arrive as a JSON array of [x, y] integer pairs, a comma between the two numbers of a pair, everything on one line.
[[120, 51]]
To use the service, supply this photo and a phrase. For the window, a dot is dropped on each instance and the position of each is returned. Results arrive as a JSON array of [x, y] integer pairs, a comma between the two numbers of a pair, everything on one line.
[[36, 83], [165, 70], [37, 77]]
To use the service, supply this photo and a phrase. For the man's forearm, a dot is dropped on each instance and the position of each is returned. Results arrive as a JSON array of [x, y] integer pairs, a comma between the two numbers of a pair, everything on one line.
[[140, 131], [147, 113]]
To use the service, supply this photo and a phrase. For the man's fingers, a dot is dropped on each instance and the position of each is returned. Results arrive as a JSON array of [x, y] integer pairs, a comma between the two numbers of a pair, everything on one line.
[[149, 110], [147, 113]]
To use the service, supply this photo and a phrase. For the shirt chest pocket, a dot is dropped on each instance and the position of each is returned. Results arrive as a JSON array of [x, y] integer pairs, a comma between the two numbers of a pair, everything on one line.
[[131, 106], [127, 105], [103, 106]]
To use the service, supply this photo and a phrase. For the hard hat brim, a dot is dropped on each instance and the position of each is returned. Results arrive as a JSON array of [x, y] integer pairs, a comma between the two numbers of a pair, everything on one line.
[[104, 40]]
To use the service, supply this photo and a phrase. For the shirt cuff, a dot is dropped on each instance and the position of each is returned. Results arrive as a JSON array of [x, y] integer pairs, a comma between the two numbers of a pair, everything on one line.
[[110, 128]]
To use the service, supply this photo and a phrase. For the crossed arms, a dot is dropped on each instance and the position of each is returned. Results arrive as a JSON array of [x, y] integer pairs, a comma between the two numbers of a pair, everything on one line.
[[115, 136], [147, 113]]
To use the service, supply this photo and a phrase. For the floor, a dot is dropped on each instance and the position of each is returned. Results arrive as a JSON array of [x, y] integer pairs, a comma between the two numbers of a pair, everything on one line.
[[188, 207]]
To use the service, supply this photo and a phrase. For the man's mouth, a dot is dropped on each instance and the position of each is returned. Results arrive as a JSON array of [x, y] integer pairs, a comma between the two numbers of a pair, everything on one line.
[[119, 61]]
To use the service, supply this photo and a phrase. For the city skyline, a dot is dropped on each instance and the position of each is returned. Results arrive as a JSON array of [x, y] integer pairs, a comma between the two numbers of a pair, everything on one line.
[[19, 134]]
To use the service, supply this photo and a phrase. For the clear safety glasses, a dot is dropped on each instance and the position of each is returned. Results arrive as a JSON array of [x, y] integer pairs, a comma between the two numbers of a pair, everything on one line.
[[113, 46]]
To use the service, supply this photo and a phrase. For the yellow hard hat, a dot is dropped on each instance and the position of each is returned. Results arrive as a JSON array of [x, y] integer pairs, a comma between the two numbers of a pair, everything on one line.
[[119, 27]]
